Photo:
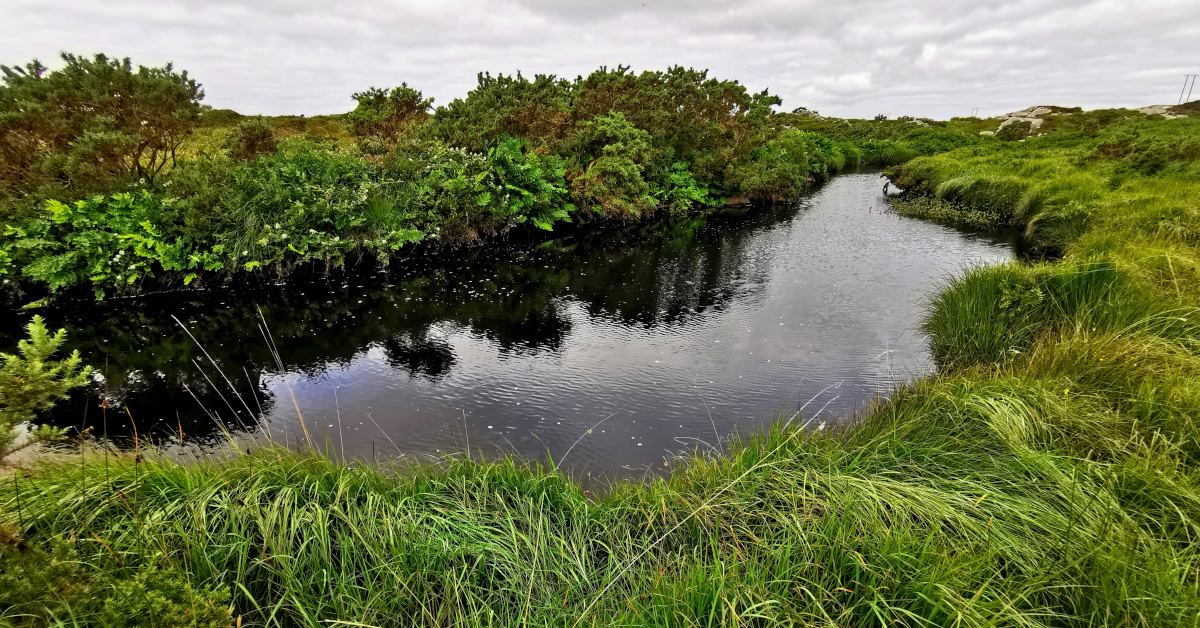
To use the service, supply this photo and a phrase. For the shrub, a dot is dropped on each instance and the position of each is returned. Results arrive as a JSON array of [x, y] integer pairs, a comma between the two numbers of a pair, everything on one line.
[[220, 117], [780, 168], [92, 123], [383, 116], [528, 186], [105, 240], [250, 139], [613, 180], [39, 585], [1014, 131], [31, 382]]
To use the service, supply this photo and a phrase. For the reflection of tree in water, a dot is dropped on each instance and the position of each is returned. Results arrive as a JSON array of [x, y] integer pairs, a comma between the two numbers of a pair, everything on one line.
[[652, 273], [419, 356]]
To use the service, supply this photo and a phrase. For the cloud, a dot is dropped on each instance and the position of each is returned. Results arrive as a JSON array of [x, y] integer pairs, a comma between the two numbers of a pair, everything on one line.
[[934, 58]]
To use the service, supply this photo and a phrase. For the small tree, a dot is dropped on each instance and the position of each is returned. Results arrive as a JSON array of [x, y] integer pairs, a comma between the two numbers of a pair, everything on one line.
[[251, 138], [91, 122], [384, 116], [31, 382]]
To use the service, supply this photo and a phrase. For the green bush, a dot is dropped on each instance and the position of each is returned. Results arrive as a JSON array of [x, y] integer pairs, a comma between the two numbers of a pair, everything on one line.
[[51, 586], [107, 241], [382, 116], [1015, 131], [613, 179], [93, 124], [31, 382], [250, 139], [778, 169]]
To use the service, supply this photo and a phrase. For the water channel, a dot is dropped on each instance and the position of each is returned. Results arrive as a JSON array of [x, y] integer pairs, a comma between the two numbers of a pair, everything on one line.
[[675, 332]]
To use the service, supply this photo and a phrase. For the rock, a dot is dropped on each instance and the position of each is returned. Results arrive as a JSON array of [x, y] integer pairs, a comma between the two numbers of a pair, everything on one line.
[[1036, 122], [987, 132], [1166, 111]]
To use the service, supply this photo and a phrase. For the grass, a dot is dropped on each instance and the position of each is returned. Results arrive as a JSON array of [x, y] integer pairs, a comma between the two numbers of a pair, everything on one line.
[[1046, 476], [968, 500]]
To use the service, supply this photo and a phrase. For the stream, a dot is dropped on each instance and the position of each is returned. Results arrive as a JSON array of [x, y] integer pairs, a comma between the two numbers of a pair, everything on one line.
[[670, 333]]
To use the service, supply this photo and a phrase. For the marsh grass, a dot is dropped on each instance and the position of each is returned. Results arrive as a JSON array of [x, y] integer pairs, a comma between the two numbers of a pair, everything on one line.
[[955, 502], [945, 212]]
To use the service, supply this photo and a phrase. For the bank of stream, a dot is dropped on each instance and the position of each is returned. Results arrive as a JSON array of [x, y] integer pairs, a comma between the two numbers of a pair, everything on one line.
[[671, 334]]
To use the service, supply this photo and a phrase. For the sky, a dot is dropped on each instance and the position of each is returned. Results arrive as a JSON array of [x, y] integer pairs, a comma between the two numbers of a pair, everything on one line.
[[844, 58]]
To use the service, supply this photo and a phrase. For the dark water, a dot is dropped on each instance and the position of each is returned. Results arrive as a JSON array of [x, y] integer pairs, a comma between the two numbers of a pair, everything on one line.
[[678, 331]]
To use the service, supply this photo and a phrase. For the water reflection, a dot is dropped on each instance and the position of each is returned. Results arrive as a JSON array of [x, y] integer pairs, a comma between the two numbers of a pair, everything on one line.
[[523, 345]]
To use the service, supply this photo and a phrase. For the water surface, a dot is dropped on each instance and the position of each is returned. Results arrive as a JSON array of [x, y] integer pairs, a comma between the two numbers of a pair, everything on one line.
[[676, 331]]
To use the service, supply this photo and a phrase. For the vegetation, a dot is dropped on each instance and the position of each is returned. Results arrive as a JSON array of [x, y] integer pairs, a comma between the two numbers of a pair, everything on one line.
[[31, 382], [251, 139], [946, 212], [91, 126], [149, 190], [1046, 476]]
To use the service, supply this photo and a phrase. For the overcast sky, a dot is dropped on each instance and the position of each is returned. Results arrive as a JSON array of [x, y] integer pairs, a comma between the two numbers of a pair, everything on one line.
[[935, 58]]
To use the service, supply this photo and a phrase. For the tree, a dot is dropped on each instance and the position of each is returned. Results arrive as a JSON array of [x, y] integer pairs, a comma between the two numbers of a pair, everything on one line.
[[384, 116], [92, 123], [31, 382]]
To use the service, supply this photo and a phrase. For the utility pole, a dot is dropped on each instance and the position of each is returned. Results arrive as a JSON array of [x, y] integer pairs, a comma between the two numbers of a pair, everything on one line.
[[1186, 87], [974, 112]]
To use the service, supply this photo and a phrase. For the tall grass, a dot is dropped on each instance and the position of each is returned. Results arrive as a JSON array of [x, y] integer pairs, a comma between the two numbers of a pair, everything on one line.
[[954, 503]]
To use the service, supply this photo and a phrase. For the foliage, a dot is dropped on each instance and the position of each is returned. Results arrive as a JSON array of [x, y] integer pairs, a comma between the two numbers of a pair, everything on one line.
[[946, 212], [613, 178], [31, 382], [1014, 131], [304, 202], [780, 168], [93, 123], [42, 586], [514, 106], [107, 241], [682, 116], [382, 116], [258, 194], [528, 186], [220, 117], [250, 139]]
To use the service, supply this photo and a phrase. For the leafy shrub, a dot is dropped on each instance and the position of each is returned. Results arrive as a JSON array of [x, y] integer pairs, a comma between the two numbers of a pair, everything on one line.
[[383, 116], [780, 168], [105, 240], [32, 382], [251, 138], [613, 179], [538, 111], [220, 117], [92, 123], [528, 186], [688, 118], [304, 202], [39, 585], [678, 191]]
